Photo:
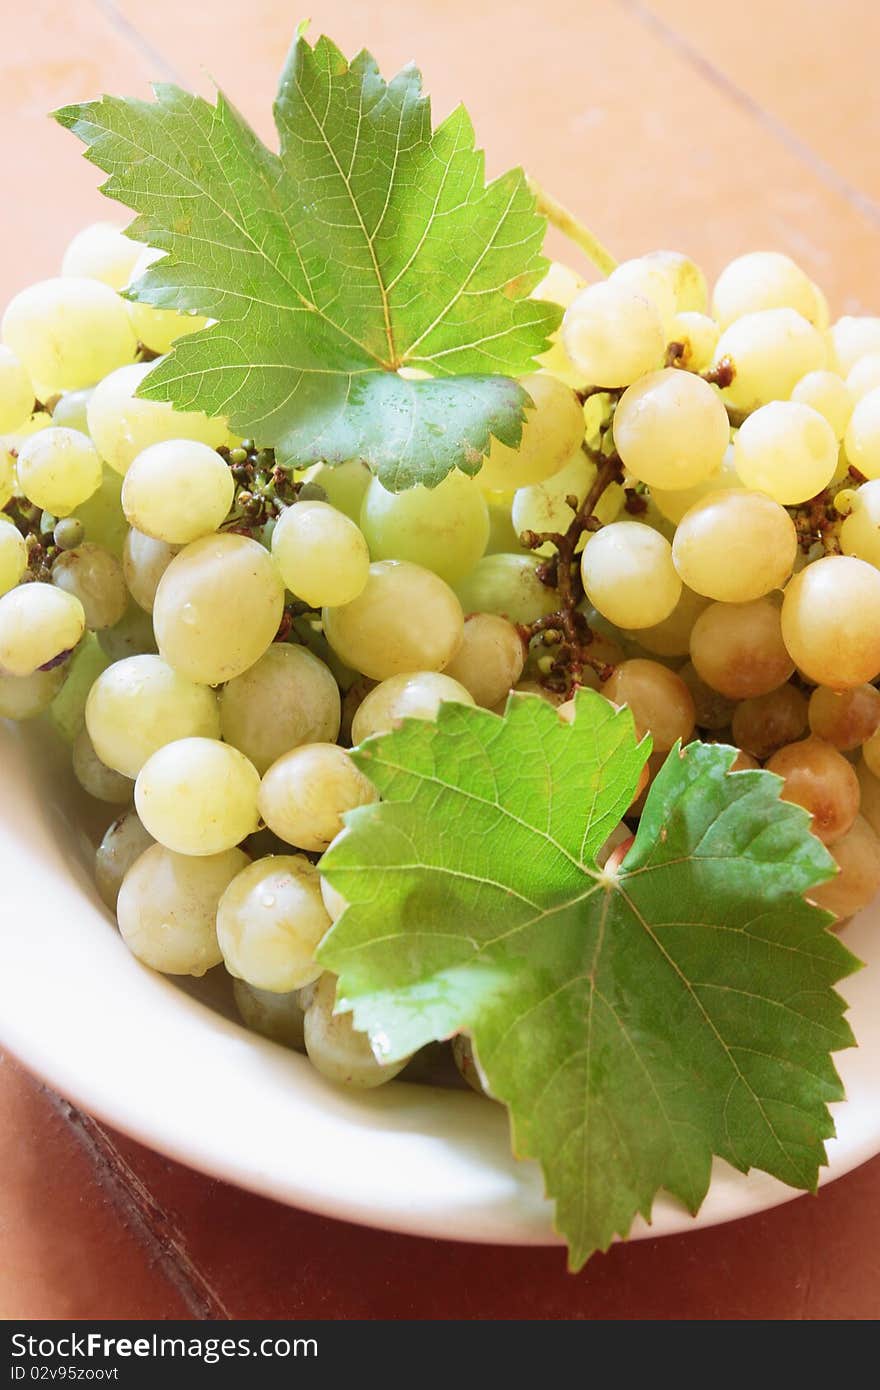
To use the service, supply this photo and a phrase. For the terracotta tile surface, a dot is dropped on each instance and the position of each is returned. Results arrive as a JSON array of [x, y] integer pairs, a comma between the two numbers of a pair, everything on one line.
[[661, 123]]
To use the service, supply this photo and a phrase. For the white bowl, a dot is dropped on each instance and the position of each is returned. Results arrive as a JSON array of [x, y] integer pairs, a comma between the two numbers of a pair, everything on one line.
[[166, 1066]]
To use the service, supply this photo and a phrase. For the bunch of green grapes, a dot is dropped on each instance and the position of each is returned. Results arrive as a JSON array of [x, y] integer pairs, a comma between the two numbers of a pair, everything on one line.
[[689, 524]]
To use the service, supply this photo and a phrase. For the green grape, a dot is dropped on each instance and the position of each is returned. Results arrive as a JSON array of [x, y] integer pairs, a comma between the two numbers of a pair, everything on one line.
[[198, 796], [509, 586], [68, 333], [862, 440], [67, 712], [16, 392], [102, 251], [100, 781], [287, 698], [553, 428], [445, 528], [132, 636], [167, 908], [863, 376], [685, 277], [157, 328], [122, 424], [58, 470], [217, 608], [405, 619], [305, 794], [765, 280], [831, 621], [26, 697], [673, 505], [13, 556], [95, 577], [321, 553], [144, 561], [279, 1017], [71, 410], [699, 336], [415, 695], [68, 533], [735, 546], [503, 539], [853, 337], [787, 450], [830, 395], [770, 350], [543, 507], [559, 286], [102, 517], [652, 281], [139, 704], [612, 335], [270, 921], [671, 429], [344, 484], [337, 1050], [177, 491], [629, 576], [860, 531], [490, 660], [672, 636], [38, 624], [124, 842]]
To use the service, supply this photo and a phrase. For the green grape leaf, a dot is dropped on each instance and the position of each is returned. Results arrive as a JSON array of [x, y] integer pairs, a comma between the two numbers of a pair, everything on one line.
[[636, 1021], [368, 244]]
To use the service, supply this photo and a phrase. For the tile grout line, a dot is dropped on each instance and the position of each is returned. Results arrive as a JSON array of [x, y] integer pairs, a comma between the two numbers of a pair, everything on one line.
[[158, 1233], [864, 204], [132, 35]]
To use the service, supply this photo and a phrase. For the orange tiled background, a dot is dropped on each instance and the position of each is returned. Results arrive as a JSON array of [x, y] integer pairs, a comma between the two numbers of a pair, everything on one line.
[[664, 123]]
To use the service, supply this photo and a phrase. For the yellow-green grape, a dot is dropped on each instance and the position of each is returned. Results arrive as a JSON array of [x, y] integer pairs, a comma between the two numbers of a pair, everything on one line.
[[490, 660], [852, 337], [673, 505], [869, 803], [67, 711], [156, 328], [770, 351], [95, 777], [71, 410], [405, 619], [735, 546], [509, 586], [139, 704], [305, 794], [671, 429], [17, 392], [503, 539], [543, 507], [287, 698], [552, 429], [167, 908], [699, 336], [270, 921], [660, 701], [651, 281], [124, 842], [26, 697], [764, 280], [177, 491], [862, 441], [672, 637], [612, 335], [13, 556], [279, 1017], [830, 395], [766, 723], [860, 532], [58, 469], [68, 332], [337, 1050], [132, 636], [95, 577], [738, 648], [102, 516], [831, 621], [559, 286], [415, 695], [863, 376], [122, 424], [685, 277], [443, 528], [198, 796], [821, 780], [144, 561], [218, 607], [787, 450], [845, 718], [7, 474], [38, 624], [857, 881], [629, 576], [343, 483], [321, 553], [102, 251]]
